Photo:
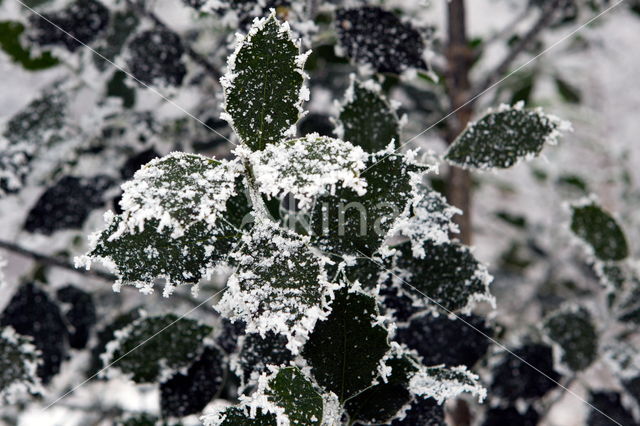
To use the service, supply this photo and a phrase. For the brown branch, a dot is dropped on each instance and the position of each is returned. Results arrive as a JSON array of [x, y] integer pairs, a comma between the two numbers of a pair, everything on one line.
[[195, 56], [54, 261], [525, 41], [460, 59]]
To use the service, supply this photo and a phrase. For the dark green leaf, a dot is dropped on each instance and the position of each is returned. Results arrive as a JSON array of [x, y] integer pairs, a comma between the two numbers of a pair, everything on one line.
[[189, 393], [366, 118], [279, 285], [153, 344], [346, 223], [241, 416], [381, 402], [574, 332], [376, 37], [448, 274], [182, 214], [10, 32], [503, 138], [291, 390], [263, 87], [344, 351], [599, 230]]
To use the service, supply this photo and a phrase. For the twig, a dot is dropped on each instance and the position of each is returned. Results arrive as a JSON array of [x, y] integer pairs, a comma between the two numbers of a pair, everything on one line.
[[543, 22], [195, 56], [53, 261]]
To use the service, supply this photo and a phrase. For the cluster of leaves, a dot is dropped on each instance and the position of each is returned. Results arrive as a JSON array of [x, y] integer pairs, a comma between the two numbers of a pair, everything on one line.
[[324, 292], [355, 306]]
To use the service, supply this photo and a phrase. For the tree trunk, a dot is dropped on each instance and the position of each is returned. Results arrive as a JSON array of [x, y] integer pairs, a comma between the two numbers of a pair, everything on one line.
[[459, 61]]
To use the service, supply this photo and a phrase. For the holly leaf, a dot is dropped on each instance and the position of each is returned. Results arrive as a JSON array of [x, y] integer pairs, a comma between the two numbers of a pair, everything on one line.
[[279, 284], [372, 36], [308, 167], [430, 219], [448, 275], [78, 24], [263, 86], [31, 312], [241, 416], [574, 332], [366, 119], [188, 393], [284, 397], [442, 340], [504, 137], [514, 378], [599, 230], [344, 350], [294, 393], [182, 214], [346, 223], [67, 204], [156, 58], [258, 352], [19, 360], [381, 402], [154, 344]]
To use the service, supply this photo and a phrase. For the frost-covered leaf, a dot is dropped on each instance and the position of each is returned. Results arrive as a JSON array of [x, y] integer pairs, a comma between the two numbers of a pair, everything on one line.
[[430, 219], [372, 36], [18, 365], [381, 402], [441, 340], [156, 347], [81, 20], [32, 313], [80, 316], [344, 351], [105, 335], [181, 214], [308, 167], [366, 119], [346, 223], [449, 274], [290, 390], [241, 416], [155, 57], [263, 85], [258, 352], [573, 330], [513, 379], [39, 123], [442, 383], [504, 137], [284, 397], [599, 230], [188, 393], [422, 411], [67, 204], [10, 32], [279, 284]]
